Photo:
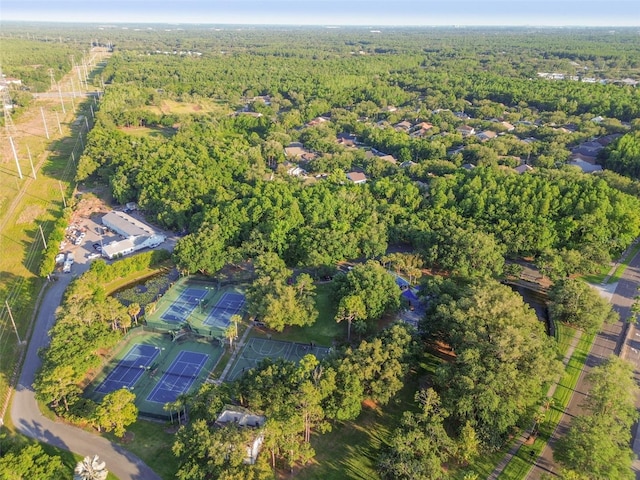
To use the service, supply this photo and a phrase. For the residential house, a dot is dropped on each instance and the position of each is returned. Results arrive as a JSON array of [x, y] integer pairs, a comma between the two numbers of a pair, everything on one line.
[[317, 121], [294, 170], [245, 419], [523, 168], [403, 126], [586, 167], [509, 127], [407, 164], [389, 158], [295, 150], [421, 129], [468, 166], [466, 130], [486, 135], [346, 139], [357, 177]]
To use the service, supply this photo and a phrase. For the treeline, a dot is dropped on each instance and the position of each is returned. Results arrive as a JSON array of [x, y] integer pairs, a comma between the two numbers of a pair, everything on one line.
[[88, 324], [31, 61], [211, 179]]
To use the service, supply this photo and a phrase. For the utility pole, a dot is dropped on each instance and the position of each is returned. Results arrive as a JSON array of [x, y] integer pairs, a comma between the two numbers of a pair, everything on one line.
[[64, 202], [59, 127], [64, 111], [33, 171], [42, 235], [15, 156], [46, 130], [13, 322]]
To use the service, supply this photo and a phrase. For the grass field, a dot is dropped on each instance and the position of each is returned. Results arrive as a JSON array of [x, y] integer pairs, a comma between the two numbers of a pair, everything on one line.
[[351, 449], [153, 132], [203, 107], [152, 442], [25, 205]]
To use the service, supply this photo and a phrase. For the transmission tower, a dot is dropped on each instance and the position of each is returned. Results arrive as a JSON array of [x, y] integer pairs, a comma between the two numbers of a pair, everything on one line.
[[7, 106]]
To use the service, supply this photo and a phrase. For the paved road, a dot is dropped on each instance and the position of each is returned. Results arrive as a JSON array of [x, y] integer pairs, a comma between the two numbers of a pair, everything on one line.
[[610, 340], [26, 415]]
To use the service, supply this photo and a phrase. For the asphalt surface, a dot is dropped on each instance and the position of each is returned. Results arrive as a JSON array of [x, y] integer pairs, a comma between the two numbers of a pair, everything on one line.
[[26, 415], [611, 340]]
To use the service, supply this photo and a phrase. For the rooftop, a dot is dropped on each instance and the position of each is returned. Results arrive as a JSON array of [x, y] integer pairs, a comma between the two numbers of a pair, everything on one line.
[[126, 224]]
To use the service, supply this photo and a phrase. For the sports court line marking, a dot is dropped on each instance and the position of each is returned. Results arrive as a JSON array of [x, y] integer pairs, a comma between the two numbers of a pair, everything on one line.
[[229, 304], [184, 305], [137, 365], [167, 390]]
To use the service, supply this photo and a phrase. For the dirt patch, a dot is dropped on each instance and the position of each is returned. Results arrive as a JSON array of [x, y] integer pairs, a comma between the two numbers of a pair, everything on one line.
[[30, 213], [197, 108], [172, 429], [88, 206], [127, 438]]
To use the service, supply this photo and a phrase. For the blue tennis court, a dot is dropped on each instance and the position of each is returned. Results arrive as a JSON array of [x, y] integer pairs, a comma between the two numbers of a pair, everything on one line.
[[185, 304], [127, 372], [179, 377], [220, 316]]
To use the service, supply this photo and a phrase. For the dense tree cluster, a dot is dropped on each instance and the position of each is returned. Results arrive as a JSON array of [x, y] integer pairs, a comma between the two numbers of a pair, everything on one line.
[[597, 444], [297, 400], [276, 299], [623, 156], [503, 358], [576, 303], [19, 460], [210, 163]]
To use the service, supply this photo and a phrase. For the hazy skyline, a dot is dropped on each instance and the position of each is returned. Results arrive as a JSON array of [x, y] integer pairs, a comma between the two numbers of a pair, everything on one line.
[[330, 12]]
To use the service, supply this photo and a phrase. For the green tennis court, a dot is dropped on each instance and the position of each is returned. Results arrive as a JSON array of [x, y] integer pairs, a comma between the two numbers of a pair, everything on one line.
[[257, 349], [199, 305], [150, 385]]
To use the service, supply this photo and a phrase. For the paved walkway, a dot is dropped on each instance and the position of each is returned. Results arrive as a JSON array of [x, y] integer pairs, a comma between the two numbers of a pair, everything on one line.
[[232, 360]]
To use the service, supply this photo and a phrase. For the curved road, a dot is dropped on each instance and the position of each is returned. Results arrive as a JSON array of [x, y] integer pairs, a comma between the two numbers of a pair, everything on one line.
[[26, 415], [610, 340]]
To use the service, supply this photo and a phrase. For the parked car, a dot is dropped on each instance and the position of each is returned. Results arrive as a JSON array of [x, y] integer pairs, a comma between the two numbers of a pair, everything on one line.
[[97, 247]]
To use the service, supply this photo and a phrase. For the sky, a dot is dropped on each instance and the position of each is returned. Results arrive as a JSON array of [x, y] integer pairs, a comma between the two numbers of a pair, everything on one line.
[[330, 12]]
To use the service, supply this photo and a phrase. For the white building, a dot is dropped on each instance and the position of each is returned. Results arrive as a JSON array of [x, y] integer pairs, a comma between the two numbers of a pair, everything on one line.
[[245, 419], [137, 235]]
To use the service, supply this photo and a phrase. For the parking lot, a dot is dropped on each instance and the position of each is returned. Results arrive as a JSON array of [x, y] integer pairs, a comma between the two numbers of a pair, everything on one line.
[[85, 238]]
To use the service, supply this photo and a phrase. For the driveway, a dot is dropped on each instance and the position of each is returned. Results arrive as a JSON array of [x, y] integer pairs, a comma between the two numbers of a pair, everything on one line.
[[26, 415]]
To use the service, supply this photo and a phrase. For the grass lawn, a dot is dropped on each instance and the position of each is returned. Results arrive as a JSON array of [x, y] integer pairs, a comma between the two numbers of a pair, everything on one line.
[[152, 443], [623, 266], [203, 107], [153, 132], [351, 449], [599, 277]]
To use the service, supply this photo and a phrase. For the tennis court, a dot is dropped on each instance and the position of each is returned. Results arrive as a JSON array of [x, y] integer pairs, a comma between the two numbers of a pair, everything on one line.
[[129, 370], [257, 349], [181, 308], [220, 315], [179, 377]]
